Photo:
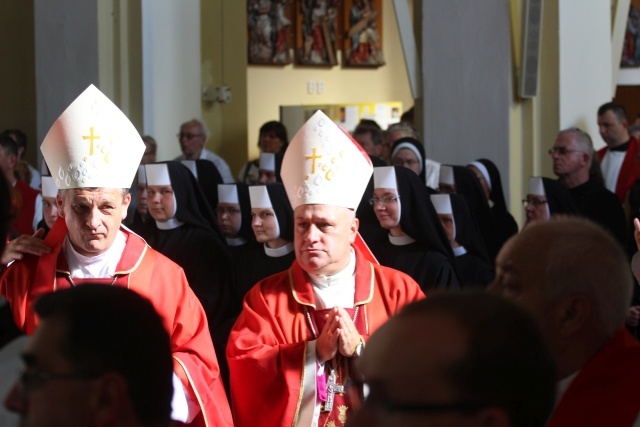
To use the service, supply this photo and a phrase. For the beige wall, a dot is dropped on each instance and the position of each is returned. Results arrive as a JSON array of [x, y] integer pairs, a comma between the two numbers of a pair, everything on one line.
[[17, 82], [268, 87]]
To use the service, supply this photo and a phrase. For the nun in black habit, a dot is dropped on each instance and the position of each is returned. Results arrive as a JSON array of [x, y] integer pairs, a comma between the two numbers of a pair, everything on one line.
[[461, 180], [272, 222], [409, 152], [234, 217], [474, 266], [547, 197], [489, 176], [188, 234], [208, 177], [416, 243]]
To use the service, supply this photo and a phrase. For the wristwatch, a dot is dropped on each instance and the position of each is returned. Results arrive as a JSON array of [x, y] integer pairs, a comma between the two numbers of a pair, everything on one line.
[[358, 351]]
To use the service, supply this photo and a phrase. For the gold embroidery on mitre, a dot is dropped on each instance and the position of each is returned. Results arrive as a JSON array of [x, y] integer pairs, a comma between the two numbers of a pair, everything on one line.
[[91, 166], [343, 413], [331, 424]]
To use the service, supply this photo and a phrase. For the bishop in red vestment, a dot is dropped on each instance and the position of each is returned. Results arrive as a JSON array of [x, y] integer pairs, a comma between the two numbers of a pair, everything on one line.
[[291, 352]]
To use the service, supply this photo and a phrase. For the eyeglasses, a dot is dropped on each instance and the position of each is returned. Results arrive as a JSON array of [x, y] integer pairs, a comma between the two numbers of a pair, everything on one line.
[[562, 151], [534, 202], [405, 162], [359, 396], [228, 211], [188, 136], [384, 200], [33, 379]]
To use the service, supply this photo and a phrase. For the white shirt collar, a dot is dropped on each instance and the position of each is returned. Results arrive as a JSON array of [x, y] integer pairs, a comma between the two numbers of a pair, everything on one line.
[[169, 224], [401, 240], [235, 241], [278, 252], [459, 251], [99, 266]]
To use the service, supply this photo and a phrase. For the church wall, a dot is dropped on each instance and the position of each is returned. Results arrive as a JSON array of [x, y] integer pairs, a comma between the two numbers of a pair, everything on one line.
[[268, 87], [17, 82]]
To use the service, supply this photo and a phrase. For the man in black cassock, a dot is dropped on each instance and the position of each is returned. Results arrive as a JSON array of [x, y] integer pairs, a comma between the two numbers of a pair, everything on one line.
[[572, 154]]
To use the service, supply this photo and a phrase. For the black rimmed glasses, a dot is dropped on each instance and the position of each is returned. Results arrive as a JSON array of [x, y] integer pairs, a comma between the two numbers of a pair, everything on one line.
[[562, 151], [384, 200], [32, 379], [533, 202], [188, 136]]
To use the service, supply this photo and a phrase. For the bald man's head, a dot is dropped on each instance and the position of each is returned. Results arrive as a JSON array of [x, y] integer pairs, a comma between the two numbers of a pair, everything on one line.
[[571, 275]]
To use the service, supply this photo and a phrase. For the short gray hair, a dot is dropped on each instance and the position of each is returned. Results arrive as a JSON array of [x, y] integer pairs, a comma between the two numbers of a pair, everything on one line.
[[203, 127], [582, 139]]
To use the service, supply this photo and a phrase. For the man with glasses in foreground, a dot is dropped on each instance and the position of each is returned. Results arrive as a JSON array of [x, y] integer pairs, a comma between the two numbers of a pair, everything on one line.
[[572, 156], [480, 361], [84, 366]]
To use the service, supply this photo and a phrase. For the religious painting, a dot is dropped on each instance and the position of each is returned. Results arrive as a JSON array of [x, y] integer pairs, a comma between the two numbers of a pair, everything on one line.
[[319, 25], [363, 38], [631, 46], [270, 31]]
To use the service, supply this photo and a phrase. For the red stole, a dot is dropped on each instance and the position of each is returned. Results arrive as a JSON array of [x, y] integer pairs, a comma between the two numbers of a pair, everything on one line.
[[605, 392], [629, 171]]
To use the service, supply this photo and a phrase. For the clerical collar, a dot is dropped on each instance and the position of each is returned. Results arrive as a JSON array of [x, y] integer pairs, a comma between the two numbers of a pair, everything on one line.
[[621, 147], [459, 251], [401, 240], [235, 241], [346, 275], [491, 203], [563, 385], [278, 252], [169, 224], [98, 266]]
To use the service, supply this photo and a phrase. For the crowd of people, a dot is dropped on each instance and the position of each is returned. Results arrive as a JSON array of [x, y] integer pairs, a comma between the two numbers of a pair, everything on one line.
[[341, 279]]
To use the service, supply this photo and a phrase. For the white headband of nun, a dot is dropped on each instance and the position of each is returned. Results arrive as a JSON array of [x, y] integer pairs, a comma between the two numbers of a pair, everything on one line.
[[412, 148]]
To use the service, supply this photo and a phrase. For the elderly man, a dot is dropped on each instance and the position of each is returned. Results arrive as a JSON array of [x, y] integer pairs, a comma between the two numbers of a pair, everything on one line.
[[478, 361], [291, 350], [193, 135], [572, 154], [94, 151], [575, 280], [84, 366], [618, 158]]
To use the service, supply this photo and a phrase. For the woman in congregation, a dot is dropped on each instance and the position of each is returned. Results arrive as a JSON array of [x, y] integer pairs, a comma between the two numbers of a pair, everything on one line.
[[547, 197], [272, 223], [416, 242], [472, 259], [489, 176]]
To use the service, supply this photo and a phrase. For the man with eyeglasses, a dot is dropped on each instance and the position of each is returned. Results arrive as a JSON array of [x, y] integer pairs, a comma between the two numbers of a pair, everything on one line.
[[192, 137], [479, 361], [618, 158], [572, 155], [86, 367]]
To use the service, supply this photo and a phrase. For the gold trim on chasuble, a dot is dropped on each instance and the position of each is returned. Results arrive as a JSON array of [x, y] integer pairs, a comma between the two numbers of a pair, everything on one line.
[[195, 389]]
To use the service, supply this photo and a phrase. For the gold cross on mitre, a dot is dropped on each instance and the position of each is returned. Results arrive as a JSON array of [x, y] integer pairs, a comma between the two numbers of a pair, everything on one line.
[[91, 137]]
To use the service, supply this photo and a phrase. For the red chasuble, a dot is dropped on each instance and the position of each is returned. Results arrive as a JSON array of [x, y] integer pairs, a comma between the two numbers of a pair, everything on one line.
[[266, 349], [629, 171], [605, 392], [153, 276]]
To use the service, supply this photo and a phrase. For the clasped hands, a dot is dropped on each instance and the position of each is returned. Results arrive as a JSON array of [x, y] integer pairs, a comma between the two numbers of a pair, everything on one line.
[[339, 335]]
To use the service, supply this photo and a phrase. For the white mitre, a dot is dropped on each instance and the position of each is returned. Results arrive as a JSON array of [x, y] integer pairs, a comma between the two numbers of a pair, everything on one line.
[[92, 144], [323, 165]]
